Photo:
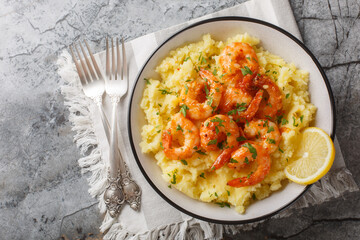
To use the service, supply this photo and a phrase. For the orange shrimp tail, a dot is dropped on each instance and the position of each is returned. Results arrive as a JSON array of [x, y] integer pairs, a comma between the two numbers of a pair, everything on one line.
[[241, 182], [222, 159]]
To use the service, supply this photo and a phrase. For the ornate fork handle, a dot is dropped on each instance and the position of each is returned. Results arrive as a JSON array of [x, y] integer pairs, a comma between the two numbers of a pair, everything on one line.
[[129, 187], [114, 196]]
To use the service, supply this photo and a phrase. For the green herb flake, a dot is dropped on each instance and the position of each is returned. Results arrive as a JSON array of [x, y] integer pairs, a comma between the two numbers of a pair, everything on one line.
[[271, 141], [212, 142], [147, 81], [200, 152], [280, 150], [169, 186], [161, 145], [287, 95], [202, 175], [216, 195], [228, 192], [183, 161], [222, 75], [178, 128], [271, 129], [228, 134], [223, 204], [186, 59], [284, 121], [246, 70], [241, 138], [254, 196], [301, 118], [173, 181], [164, 91], [189, 80], [248, 176], [251, 149], [232, 160], [294, 122], [215, 72], [183, 109], [246, 160]]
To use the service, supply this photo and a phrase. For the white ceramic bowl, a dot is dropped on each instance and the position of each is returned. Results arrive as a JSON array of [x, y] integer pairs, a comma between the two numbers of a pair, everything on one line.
[[276, 41]]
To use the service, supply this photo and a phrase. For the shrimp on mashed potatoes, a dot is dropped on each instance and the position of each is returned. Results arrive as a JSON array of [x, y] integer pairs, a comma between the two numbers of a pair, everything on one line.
[[201, 96], [219, 132], [180, 130], [265, 132], [250, 152]]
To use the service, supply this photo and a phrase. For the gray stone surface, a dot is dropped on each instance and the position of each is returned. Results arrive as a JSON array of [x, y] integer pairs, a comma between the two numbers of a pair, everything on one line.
[[42, 193]]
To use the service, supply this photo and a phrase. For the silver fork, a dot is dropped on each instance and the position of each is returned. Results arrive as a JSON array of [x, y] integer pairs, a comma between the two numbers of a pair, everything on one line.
[[94, 86], [116, 85]]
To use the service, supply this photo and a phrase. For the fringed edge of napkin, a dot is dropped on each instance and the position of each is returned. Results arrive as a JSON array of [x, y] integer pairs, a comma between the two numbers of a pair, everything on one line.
[[334, 184]]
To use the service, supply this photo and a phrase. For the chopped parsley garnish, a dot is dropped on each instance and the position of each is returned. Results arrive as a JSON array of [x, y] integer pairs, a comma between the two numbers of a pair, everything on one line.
[[169, 186], [178, 128], [246, 70], [207, 124], [216, 130], [274, 72], [287, 95], [301, 118], [280, 150], [161, 145], [251, 149], [233, 160], [271, 141], [186, 59], [203, 60], [267, 71], [202, 175], [239, 108], [219, 120], [206, 89], [200, 152], [271, 129], [223, 204], [186, 89], [248, 176], [241, 138], [247, 123], [189, 80], [183, 109], [184, 162], [164, 91], [228, 192], [212, 142], [254, 196], [228, 134], [147, 81], [246, 160], [173, 181], [216, 195], [221, 76], [215, 72], [294, 122], [195, 147], [284, 121]]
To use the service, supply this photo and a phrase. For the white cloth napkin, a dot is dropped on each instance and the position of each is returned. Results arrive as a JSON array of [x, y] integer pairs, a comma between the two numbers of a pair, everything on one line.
[[157, 218]]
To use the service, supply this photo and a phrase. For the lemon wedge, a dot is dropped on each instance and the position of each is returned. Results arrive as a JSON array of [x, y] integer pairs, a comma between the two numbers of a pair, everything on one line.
[[313, 158]]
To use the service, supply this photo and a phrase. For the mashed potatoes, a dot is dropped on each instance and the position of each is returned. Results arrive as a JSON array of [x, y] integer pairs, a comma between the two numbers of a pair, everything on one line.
[[193, 176]]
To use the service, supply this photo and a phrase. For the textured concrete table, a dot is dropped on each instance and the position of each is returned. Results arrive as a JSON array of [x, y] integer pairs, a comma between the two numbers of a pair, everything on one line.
[[42, 193]]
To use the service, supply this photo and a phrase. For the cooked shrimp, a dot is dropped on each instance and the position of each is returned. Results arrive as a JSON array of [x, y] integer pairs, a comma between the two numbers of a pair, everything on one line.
[[219, 132], [264, 131], [273, 104], [186, 136], [239, 103], [246, 154], [237, 56], [202, 96]]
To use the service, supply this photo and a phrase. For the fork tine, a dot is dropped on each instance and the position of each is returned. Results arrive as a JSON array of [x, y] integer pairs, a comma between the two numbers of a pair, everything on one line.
[[124, 68], [107, 59], [78, 68], [93, 61], [118, 68], [88, 63], [113, 59], [87, 77]]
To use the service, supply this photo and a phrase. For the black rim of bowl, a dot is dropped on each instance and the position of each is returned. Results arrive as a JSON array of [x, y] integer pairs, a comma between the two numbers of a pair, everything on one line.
[[228, 18]]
